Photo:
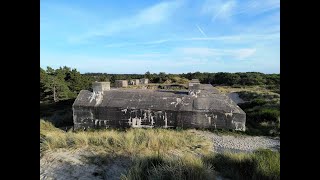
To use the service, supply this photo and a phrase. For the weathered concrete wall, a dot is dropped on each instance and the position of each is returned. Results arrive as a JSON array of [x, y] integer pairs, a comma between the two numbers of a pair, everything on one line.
[[144, 81], [97, 117], [202, 107], [193, 82], [121, 83], [134, 82], [100, 86]]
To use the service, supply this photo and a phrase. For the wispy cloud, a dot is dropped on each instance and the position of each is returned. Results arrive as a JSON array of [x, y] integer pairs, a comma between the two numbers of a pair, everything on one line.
[[224, 10], [155, 14], [218, 9], [236, 38], [255, 7], [204, 34], [153, 42], [141, 63], [201, 53], [240, 38], [238, 54], [243, 53]]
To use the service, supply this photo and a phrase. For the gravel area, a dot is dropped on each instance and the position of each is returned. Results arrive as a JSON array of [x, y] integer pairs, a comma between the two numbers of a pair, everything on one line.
[[241, 143]]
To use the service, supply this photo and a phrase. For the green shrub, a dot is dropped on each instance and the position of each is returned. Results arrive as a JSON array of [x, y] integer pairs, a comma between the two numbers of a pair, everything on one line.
[[265, 115], [235, 166], [164, 168], [253, 103], [268, 164], [262, 164]]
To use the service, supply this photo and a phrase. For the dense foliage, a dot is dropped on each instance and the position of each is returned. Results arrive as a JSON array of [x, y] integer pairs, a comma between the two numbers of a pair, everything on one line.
[[221, 78], [263, 113], [60, 84], [66, 83]]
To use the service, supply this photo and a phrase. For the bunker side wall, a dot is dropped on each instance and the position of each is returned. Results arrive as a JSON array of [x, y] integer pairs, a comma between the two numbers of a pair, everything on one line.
[[102, 117]]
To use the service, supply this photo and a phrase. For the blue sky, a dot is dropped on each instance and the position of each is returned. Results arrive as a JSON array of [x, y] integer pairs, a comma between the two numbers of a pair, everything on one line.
[[176, 36]]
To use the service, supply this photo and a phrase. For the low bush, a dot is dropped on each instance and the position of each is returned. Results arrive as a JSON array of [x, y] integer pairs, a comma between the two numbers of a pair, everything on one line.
[[165, 168], [262, 164]]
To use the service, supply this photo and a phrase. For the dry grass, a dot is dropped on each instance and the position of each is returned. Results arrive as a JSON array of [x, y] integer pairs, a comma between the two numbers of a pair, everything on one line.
[[262, 164], [162, 154], [179, 150], [132, 141], [166, 168], [257, 89]]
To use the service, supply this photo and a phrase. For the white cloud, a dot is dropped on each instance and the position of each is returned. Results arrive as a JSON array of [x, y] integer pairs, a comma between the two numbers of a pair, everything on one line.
[[160, 41], [204, 34], [255, 7], [200, 52], [237, 38], [196, 55], [224, 10], [126, 64], [218, 9], [240, 38], [244, 53], [155, 14], [148, 55], [238, 54]]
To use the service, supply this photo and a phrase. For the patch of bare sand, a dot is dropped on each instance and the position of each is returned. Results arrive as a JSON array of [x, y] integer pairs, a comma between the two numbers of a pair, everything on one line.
[[81, 164]]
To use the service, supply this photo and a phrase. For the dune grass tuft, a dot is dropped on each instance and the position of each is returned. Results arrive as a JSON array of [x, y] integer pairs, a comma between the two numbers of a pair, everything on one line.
[[262, 164], [163, 154], [132, 141], [165, 167]]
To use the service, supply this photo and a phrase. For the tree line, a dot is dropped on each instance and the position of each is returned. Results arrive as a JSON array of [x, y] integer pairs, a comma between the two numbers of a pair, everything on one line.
[[62, 83], [65, 82]]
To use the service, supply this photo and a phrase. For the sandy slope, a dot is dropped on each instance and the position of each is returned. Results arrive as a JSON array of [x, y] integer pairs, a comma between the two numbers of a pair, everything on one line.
[[74, 164], [70, 165]]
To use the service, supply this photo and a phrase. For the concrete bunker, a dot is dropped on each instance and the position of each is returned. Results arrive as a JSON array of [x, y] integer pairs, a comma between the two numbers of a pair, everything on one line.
[[193, 82], [144, 81], [121, 83], [134, 82], [201, 106]]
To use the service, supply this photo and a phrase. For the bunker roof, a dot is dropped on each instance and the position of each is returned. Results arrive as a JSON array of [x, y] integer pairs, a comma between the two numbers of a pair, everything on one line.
[[207, 99]]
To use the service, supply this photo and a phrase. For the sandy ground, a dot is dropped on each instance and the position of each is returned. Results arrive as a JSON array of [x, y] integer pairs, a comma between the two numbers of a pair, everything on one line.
[[74, 164], [240, 143], [71, 165]]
